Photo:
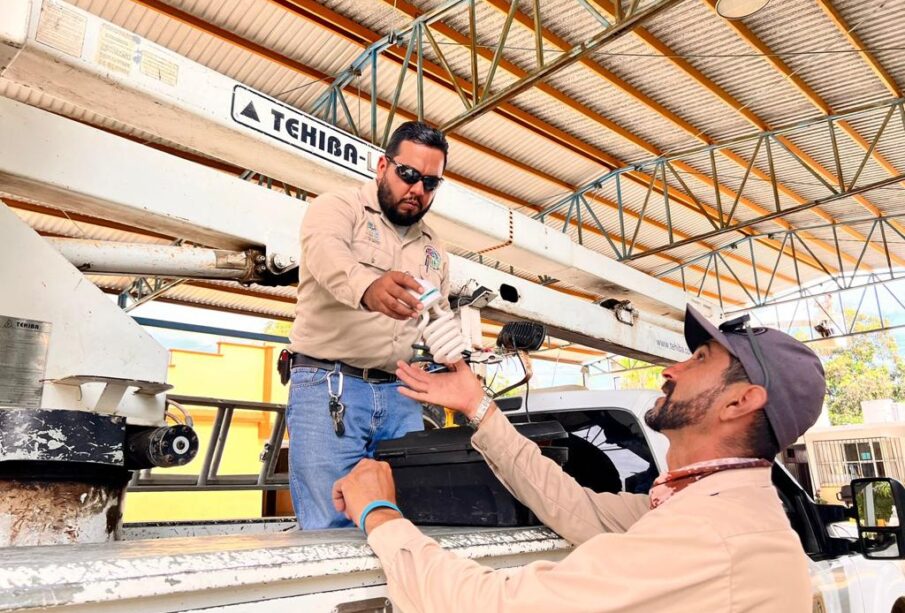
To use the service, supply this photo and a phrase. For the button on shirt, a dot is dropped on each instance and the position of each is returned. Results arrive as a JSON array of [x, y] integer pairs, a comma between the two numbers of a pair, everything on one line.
[[347, 244]]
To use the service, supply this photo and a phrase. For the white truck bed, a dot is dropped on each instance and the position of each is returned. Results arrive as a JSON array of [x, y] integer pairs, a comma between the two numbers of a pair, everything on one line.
[[299, 571]]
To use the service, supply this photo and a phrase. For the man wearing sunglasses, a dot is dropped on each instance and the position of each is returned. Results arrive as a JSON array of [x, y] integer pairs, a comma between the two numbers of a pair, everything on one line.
[[362, 251], [712, 534]]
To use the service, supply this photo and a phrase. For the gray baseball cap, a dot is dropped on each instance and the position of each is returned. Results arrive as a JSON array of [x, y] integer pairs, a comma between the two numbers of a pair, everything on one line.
[[790, 372]]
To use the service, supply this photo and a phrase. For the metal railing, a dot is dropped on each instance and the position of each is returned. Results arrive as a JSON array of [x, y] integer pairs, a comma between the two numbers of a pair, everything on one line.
[[209, 477], [835, 467]]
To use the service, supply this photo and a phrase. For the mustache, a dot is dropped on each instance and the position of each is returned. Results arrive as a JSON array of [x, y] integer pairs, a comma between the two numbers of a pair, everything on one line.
[[668, 387]]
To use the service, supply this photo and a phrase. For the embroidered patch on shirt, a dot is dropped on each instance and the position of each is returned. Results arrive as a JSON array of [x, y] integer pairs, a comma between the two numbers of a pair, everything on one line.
[[373, 233], [431, 258]]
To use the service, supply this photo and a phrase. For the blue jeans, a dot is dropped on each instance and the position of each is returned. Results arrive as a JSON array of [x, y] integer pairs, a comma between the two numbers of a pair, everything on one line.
[[317, 457]]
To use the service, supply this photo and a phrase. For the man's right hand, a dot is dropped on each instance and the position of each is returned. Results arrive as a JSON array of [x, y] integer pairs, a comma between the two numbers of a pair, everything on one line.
[[390, 295]]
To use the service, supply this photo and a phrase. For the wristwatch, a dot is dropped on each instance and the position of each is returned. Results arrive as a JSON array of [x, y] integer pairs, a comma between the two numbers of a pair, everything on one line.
[[475, 420]]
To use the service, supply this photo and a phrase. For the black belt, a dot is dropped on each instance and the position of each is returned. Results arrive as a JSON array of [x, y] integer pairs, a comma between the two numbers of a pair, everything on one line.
[[368, 374]]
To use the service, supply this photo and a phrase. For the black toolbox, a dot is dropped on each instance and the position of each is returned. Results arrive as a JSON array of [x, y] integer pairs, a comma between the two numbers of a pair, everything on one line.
[[442, 480]]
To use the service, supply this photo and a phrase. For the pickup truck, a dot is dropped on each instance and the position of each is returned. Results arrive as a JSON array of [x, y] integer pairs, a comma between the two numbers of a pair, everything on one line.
[[610, 449]]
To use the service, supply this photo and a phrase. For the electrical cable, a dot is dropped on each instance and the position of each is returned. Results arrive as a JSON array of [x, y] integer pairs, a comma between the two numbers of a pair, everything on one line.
[[518, 354], [302, 86], [495, 373], [188, 421]]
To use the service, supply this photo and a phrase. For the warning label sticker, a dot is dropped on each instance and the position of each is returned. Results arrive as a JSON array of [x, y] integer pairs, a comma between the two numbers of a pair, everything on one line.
[[61, 28], [22, 361], [158, 66], [302, 131], [115, 49]]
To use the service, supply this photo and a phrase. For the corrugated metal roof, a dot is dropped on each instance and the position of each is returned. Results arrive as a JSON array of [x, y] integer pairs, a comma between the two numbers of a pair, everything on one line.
[[523, 164], [813, 48]]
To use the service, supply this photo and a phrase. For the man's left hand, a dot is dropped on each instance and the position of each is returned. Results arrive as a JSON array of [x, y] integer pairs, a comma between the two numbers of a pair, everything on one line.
[[368, 481], [457, 389]]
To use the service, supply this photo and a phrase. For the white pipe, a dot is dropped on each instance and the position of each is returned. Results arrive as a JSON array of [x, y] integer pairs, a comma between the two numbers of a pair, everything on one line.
[[104, 257], [567, 317], [140, 188]]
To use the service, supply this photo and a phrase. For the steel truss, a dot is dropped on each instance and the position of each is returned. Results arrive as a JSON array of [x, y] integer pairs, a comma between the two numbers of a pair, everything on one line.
[[865, 303], [870, 303], [878, 232], [612, 365], [145, 289], [775, 161], [253, 176], [476, 89]]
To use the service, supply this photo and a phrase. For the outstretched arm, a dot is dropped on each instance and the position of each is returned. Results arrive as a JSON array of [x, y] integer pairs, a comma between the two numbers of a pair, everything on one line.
[[575, 512], [600, 575]]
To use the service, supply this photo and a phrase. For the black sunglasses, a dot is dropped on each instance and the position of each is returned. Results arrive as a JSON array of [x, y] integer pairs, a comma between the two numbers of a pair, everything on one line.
[[410, 176], [742, 325]]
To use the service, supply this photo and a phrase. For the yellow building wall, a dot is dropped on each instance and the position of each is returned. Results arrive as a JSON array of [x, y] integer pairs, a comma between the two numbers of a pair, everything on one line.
[[235, 372], [829, 493]]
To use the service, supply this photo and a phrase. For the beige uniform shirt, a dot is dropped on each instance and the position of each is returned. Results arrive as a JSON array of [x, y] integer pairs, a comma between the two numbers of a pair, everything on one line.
[[347, 244], [721, 544]]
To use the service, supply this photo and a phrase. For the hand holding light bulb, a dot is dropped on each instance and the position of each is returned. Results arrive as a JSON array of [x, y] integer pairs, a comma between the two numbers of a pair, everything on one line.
[[439, 328]]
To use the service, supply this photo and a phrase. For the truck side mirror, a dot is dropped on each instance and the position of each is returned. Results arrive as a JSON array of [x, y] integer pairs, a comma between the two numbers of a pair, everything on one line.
[[879, 504]]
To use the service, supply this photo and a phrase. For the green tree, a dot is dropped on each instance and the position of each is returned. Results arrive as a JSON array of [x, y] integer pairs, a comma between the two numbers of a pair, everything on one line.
[[639, 375], [498, 380], [863, 367], [882, 504]]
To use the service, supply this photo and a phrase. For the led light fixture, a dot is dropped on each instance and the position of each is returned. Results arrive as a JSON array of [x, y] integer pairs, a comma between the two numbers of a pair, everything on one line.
[[738, 9]]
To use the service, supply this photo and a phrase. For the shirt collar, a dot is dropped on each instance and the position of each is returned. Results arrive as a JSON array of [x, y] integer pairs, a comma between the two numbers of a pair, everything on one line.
[[674, 481]]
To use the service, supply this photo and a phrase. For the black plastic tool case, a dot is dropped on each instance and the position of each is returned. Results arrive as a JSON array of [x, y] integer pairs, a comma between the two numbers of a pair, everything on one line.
[[442, 480]]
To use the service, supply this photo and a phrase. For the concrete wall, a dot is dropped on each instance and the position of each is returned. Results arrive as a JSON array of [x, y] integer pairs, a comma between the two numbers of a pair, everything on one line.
[[882, 411], [892, 433]]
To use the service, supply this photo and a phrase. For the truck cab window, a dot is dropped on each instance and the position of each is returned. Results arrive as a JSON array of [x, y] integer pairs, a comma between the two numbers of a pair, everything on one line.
[[607, 450]]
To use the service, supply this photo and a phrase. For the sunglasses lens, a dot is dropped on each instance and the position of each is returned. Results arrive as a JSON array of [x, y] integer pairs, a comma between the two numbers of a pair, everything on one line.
[[409, 175]]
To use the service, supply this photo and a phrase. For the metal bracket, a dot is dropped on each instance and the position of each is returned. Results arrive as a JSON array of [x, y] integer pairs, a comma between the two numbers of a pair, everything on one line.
[[114, 389], [623, 309]]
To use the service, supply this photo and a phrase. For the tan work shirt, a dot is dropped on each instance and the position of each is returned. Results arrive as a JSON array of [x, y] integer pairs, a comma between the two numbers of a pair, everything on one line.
[[347, 244], [721, 544]]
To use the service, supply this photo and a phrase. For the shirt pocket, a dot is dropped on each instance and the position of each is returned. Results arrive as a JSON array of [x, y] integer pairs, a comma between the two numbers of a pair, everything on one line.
[[373, 257]]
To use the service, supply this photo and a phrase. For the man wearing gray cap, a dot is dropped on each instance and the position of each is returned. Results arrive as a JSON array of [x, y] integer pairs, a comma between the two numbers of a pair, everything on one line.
[[711, 536]]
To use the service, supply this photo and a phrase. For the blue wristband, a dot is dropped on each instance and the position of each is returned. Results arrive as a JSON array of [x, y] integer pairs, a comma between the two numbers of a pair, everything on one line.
[[377, 504]]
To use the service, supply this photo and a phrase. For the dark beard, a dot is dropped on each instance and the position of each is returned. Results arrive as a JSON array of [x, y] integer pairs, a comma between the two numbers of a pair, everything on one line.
[[673, 415], [390, 207]]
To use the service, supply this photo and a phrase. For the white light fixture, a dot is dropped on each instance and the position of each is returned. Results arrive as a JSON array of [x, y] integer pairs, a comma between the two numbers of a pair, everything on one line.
[[738, 9]]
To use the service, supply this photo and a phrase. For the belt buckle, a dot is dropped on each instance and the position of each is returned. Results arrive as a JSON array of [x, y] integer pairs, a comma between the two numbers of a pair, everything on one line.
[[364, 373]]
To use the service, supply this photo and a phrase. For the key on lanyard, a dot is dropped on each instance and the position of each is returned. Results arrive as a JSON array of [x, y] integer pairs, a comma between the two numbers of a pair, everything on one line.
[[336, 407]]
